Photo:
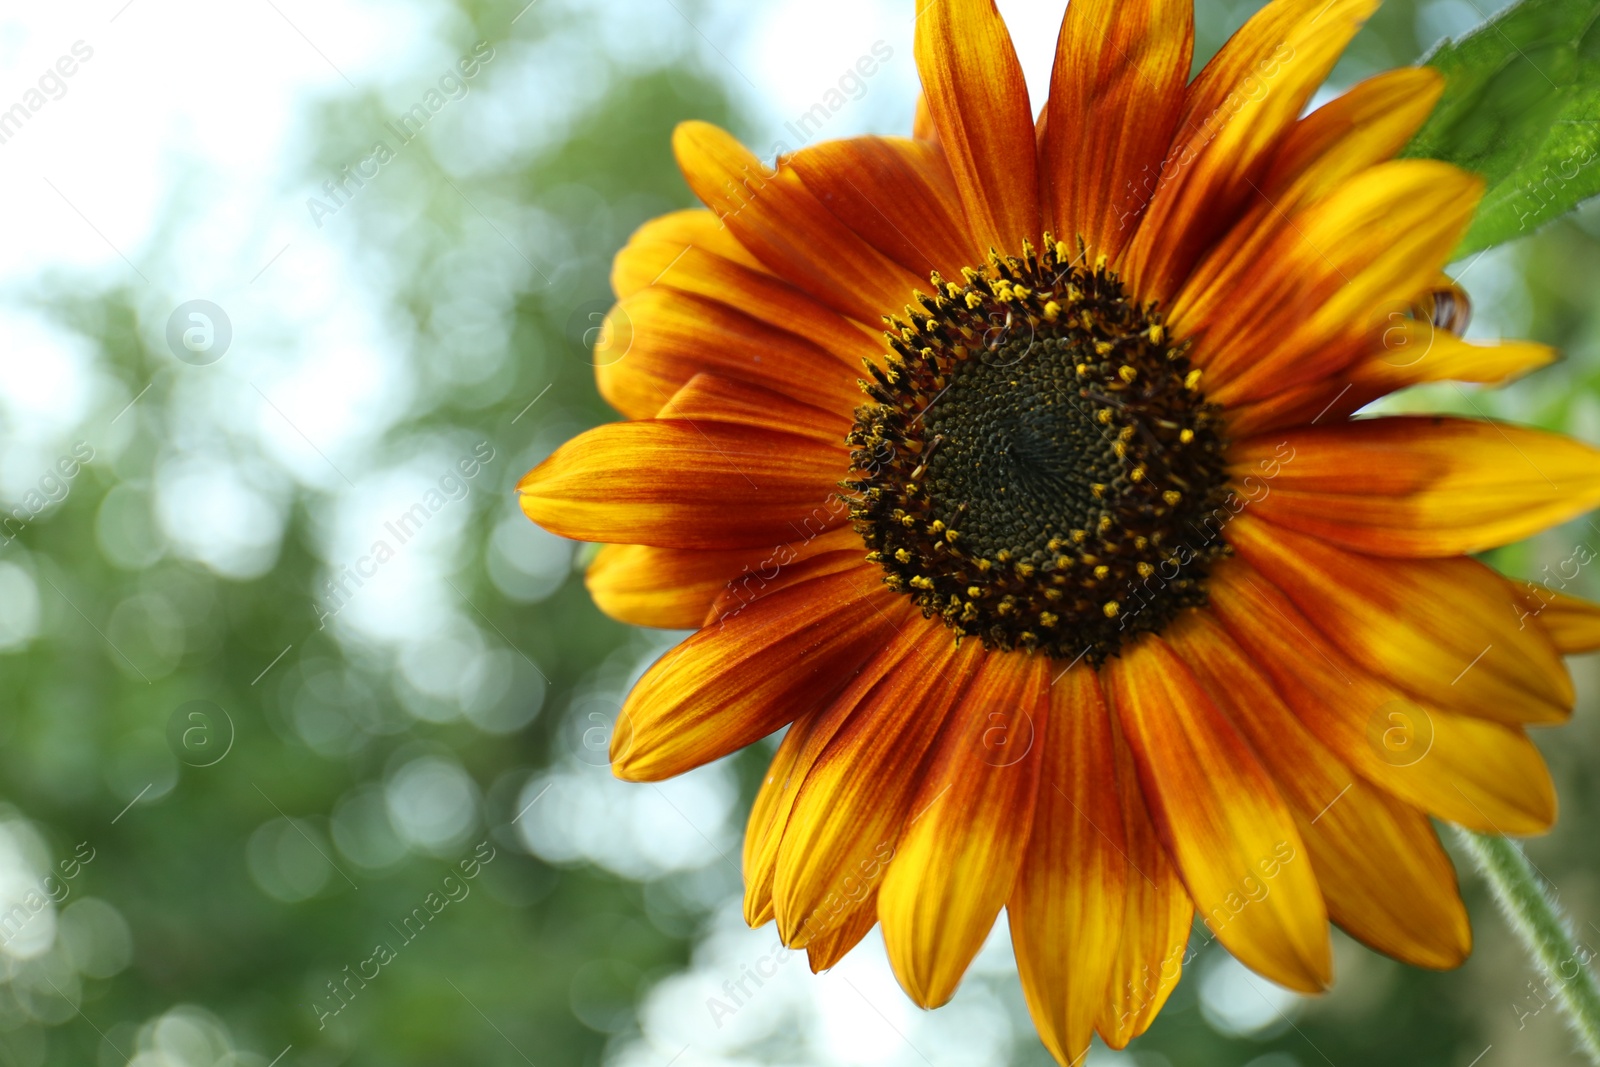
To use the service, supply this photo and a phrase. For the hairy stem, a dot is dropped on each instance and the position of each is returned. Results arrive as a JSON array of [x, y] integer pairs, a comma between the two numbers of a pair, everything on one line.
[[1539, 922]]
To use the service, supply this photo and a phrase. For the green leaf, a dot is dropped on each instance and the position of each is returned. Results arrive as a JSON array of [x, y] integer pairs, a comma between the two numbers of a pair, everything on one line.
[[1521, 107]]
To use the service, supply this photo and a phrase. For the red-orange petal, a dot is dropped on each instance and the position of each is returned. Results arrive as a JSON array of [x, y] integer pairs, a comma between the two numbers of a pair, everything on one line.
[[660, 245], [713, 398], [773, 215], [659, 338], [898, 195], [730, 685], [1115, 92], [979, 103], [677, 484]]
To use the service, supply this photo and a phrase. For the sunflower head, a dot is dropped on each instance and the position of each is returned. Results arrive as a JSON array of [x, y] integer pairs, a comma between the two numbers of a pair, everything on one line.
[[1038, 459]]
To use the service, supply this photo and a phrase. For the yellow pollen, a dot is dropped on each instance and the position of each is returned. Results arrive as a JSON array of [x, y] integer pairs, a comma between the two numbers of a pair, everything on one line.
[[1111, 608], [1172, 496]]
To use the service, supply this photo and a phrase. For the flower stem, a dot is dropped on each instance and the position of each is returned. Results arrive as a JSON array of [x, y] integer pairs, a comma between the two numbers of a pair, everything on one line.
[[1539, 922]]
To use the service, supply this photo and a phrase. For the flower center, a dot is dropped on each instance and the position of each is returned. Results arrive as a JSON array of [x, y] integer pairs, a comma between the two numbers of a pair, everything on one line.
[[1037, 465]]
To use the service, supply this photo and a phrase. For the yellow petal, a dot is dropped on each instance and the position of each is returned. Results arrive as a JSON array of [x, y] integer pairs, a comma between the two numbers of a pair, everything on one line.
[[1385, 877], [959, 855], [1153, 946], [1479, 774], [1421, 485], [850, 814], [1222, 819], [1445, 630], [1066, 910], [1235, 115], [1573, 624]]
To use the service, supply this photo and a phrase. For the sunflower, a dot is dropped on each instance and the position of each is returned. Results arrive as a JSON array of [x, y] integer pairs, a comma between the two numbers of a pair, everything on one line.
[[1012, 467]]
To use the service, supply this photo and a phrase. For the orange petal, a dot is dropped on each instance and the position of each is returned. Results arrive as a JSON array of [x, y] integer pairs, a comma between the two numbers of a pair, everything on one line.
[[830, 946], [728, 686], [922, 127], [1416, 352], [1421, 485], [1445, 630], [765, 298], [802, 746], [1480, 774], [979, 102], [1385, 877], [852, 810], [658, 246], [685, 588], [667, 587], [898, 195], [1366, 125], [1235, 116], [805, 557], [768, 814], [1404, 353], [1156, 918], [1222, 819], [959, 855], [677, 484], [1066, 910], [782, 224], [1573, 624], [712, 398], [659, 338], [1308, 304], [1118, 84]]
